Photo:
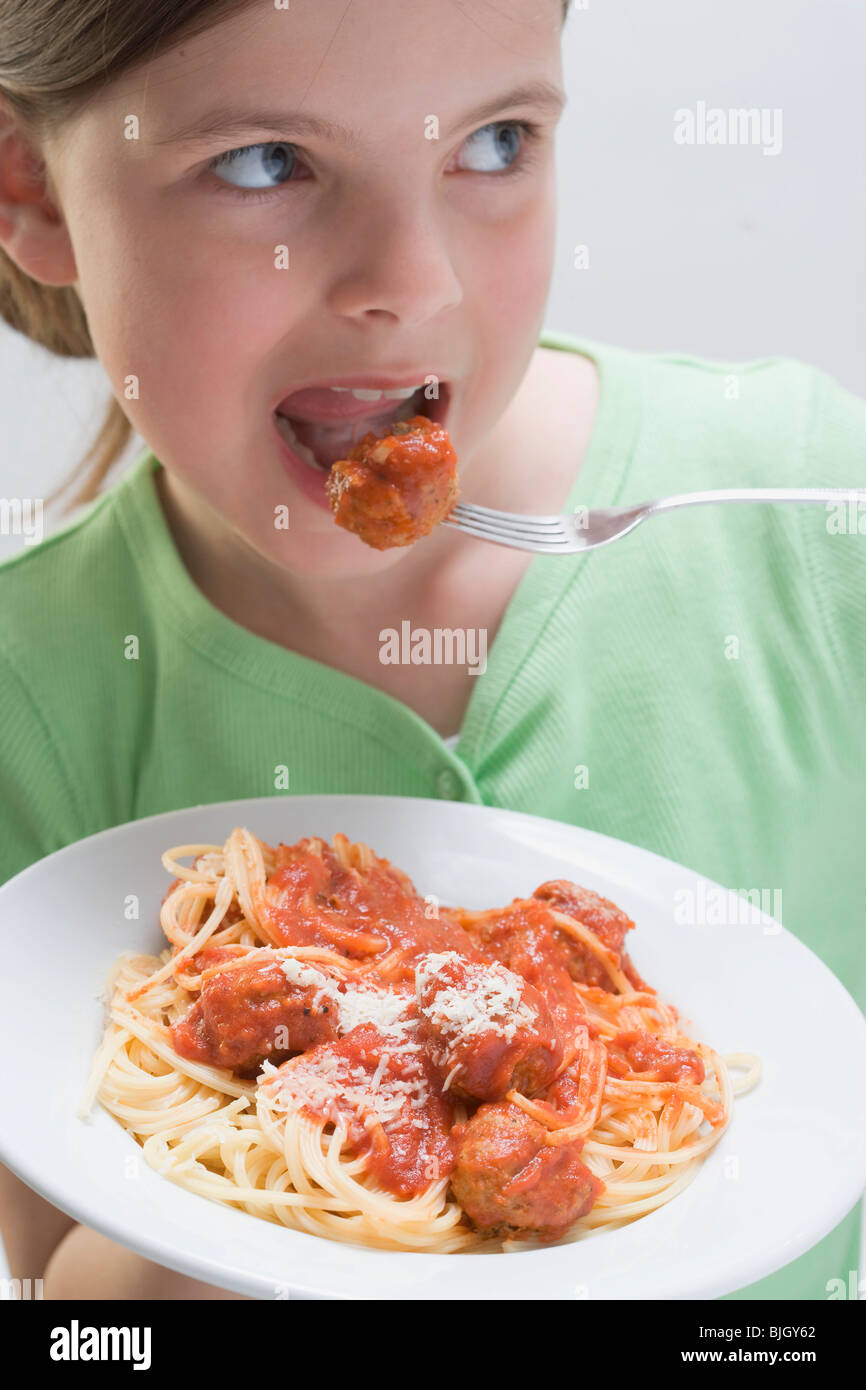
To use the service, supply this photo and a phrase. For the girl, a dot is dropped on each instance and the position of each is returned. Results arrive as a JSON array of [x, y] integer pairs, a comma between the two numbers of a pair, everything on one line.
[[232, 203]]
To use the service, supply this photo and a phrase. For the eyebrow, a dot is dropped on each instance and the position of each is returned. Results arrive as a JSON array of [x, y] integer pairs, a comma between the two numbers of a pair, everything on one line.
[[226, 122]]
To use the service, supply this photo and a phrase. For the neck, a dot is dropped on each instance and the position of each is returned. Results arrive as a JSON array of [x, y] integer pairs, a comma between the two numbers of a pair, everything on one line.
[[297, 611]]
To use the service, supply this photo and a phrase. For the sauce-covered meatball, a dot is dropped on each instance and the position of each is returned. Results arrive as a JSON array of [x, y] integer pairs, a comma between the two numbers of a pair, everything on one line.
[[603, 918], [487, 1029], [510, 1182], [250, 1012], [392, 490]]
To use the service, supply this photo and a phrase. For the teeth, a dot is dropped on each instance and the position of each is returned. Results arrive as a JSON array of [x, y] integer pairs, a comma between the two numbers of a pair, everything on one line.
[[366, 393], [288, 434]]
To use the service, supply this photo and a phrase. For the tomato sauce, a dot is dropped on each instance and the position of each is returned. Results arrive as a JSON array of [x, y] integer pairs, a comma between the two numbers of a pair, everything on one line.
[[660, 1061], [313, 900], [403, 1124]]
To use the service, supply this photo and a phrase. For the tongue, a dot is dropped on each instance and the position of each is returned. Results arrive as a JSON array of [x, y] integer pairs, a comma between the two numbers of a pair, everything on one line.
[[333, 439], [332, 442]]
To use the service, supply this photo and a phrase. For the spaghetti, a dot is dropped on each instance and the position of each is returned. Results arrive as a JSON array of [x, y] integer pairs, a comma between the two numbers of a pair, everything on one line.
[[320, 1046]]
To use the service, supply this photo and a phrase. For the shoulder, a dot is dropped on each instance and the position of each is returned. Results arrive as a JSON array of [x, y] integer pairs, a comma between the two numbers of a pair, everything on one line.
[[66, 602], [59, 590], [698, 421], [778, 420], [691, 421], [773, 422]]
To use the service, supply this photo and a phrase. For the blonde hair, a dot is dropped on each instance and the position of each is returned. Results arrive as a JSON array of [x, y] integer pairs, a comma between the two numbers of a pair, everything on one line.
[[55, 55]]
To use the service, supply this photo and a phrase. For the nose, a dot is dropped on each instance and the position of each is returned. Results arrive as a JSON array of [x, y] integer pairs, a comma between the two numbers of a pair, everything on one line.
[[395, 260]]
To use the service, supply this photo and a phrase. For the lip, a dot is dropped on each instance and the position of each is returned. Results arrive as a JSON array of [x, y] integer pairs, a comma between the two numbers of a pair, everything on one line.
[[311, 481]]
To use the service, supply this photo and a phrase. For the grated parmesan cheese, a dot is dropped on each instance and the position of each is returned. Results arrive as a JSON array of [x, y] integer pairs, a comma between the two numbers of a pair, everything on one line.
[[489, 998], [354, 1004], [327, 1082], [337, 1090]]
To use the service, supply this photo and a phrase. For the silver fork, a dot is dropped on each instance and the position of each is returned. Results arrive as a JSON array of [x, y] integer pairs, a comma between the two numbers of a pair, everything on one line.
[[586, 529]]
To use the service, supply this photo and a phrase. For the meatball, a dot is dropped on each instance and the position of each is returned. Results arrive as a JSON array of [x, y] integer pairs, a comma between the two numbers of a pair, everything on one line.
[[603, 918], [510, 1182], [485, 1026], [523, 939], [248, 1012], [390, 491]]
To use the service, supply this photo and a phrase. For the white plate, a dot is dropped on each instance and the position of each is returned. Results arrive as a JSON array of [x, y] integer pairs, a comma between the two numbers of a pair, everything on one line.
[[743, 987]]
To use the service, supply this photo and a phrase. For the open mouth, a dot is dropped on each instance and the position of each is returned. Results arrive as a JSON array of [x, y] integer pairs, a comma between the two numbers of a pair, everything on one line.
[[321, 443]]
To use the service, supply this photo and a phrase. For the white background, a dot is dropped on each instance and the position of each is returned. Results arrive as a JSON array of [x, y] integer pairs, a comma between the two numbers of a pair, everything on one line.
[[721, 251]]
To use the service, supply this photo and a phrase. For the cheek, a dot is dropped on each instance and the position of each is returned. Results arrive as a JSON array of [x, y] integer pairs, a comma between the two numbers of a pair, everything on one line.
[[198, 330], [512, 293], [519, 261], [193, 306]]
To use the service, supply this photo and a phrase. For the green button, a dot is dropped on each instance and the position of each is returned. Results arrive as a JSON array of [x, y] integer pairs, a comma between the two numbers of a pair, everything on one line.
[[448, 785]]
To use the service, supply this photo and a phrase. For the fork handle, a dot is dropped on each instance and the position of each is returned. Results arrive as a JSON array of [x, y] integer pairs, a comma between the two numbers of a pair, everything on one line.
[[760, 494]]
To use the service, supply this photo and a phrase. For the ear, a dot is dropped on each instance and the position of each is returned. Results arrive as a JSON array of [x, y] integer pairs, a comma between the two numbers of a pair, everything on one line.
[[32, 229]]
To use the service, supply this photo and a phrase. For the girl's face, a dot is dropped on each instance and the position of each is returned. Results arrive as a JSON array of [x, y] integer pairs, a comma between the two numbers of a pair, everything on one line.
[[370, 204]]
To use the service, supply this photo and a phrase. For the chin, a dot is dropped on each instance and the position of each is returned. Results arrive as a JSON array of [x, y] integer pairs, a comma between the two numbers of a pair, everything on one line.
[[324, 549]]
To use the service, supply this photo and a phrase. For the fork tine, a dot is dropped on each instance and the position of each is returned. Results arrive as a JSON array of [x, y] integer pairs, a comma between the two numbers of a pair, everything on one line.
[[514, 541], [547, 537], [468, 511], [510, 523]]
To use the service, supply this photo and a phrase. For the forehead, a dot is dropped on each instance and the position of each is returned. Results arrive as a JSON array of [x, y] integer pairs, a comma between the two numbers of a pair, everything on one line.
[[356, 67]]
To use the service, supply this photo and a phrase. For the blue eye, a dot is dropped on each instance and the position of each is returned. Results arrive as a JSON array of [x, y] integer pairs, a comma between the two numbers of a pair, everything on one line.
[[280, 160], [505, 143]]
